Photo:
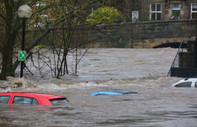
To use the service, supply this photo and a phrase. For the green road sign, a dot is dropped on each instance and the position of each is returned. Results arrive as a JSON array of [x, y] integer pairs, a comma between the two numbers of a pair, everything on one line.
[[21, 55]]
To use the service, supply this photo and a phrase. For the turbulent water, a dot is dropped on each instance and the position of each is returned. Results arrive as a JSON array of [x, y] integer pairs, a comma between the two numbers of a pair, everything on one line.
[[144, 71]]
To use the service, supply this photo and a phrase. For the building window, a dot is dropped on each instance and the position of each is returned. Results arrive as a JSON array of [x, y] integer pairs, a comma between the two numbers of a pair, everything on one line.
[[193, 11], [135, 16], [155, 11], [176, 11]]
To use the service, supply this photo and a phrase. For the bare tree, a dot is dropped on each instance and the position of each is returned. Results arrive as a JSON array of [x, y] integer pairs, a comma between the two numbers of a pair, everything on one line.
[[63, 41]]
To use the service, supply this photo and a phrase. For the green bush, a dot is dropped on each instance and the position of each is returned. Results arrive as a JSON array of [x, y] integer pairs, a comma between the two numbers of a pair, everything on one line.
[[103, 15]]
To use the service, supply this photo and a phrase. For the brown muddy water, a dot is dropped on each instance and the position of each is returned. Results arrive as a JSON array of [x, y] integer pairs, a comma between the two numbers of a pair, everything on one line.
[[144, 71]]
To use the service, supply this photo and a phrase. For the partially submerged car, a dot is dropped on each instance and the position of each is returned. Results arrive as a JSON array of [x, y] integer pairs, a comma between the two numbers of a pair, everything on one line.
[[188, 82], [32, 98], [113, 92]]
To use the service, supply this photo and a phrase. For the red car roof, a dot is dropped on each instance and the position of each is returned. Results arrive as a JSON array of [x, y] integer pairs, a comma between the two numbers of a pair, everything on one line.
[[41, 98], [48, 96]]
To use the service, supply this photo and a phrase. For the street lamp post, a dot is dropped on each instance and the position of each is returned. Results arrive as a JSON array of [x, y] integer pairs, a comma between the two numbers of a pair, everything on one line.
[[24, 12]]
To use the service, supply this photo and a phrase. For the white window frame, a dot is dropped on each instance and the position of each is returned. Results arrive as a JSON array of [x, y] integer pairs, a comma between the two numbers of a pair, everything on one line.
[[191, 12], [135, 16], [155, 12], [177, 7]]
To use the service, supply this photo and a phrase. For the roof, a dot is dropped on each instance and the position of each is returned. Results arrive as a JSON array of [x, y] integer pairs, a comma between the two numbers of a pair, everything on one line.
[[190, 79], [113, 92], [49, 96], [187, 79]]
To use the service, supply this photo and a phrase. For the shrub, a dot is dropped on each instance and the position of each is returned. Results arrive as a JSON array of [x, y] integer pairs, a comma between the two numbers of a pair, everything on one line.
[[103, 15]]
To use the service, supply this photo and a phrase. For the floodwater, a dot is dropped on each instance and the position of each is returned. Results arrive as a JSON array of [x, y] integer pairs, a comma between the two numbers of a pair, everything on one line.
[[144, 71]]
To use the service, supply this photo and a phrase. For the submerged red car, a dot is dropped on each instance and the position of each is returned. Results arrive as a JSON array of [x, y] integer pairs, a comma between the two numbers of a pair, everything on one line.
[[31, 98]]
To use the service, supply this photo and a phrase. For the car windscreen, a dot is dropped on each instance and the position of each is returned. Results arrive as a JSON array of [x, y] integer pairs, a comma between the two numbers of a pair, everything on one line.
[[58, 101], [4, 99]]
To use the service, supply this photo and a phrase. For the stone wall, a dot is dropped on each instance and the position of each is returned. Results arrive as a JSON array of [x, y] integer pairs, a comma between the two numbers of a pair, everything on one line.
[[139, 35]]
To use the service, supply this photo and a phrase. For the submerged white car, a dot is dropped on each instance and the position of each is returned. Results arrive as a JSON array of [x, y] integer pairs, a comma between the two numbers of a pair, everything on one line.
[[188, 82]]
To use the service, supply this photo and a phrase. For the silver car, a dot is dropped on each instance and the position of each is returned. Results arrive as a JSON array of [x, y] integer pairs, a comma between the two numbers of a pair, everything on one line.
[[188, 82]]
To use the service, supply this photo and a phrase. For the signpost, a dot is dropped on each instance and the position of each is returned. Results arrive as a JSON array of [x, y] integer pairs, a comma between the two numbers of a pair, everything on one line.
[[24, 12], [21, 55]]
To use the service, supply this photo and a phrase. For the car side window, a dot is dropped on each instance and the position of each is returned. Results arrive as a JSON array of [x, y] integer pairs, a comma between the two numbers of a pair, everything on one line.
[[34, 102], [4, 99], [184, 84], [195, 84], [24, 100]]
